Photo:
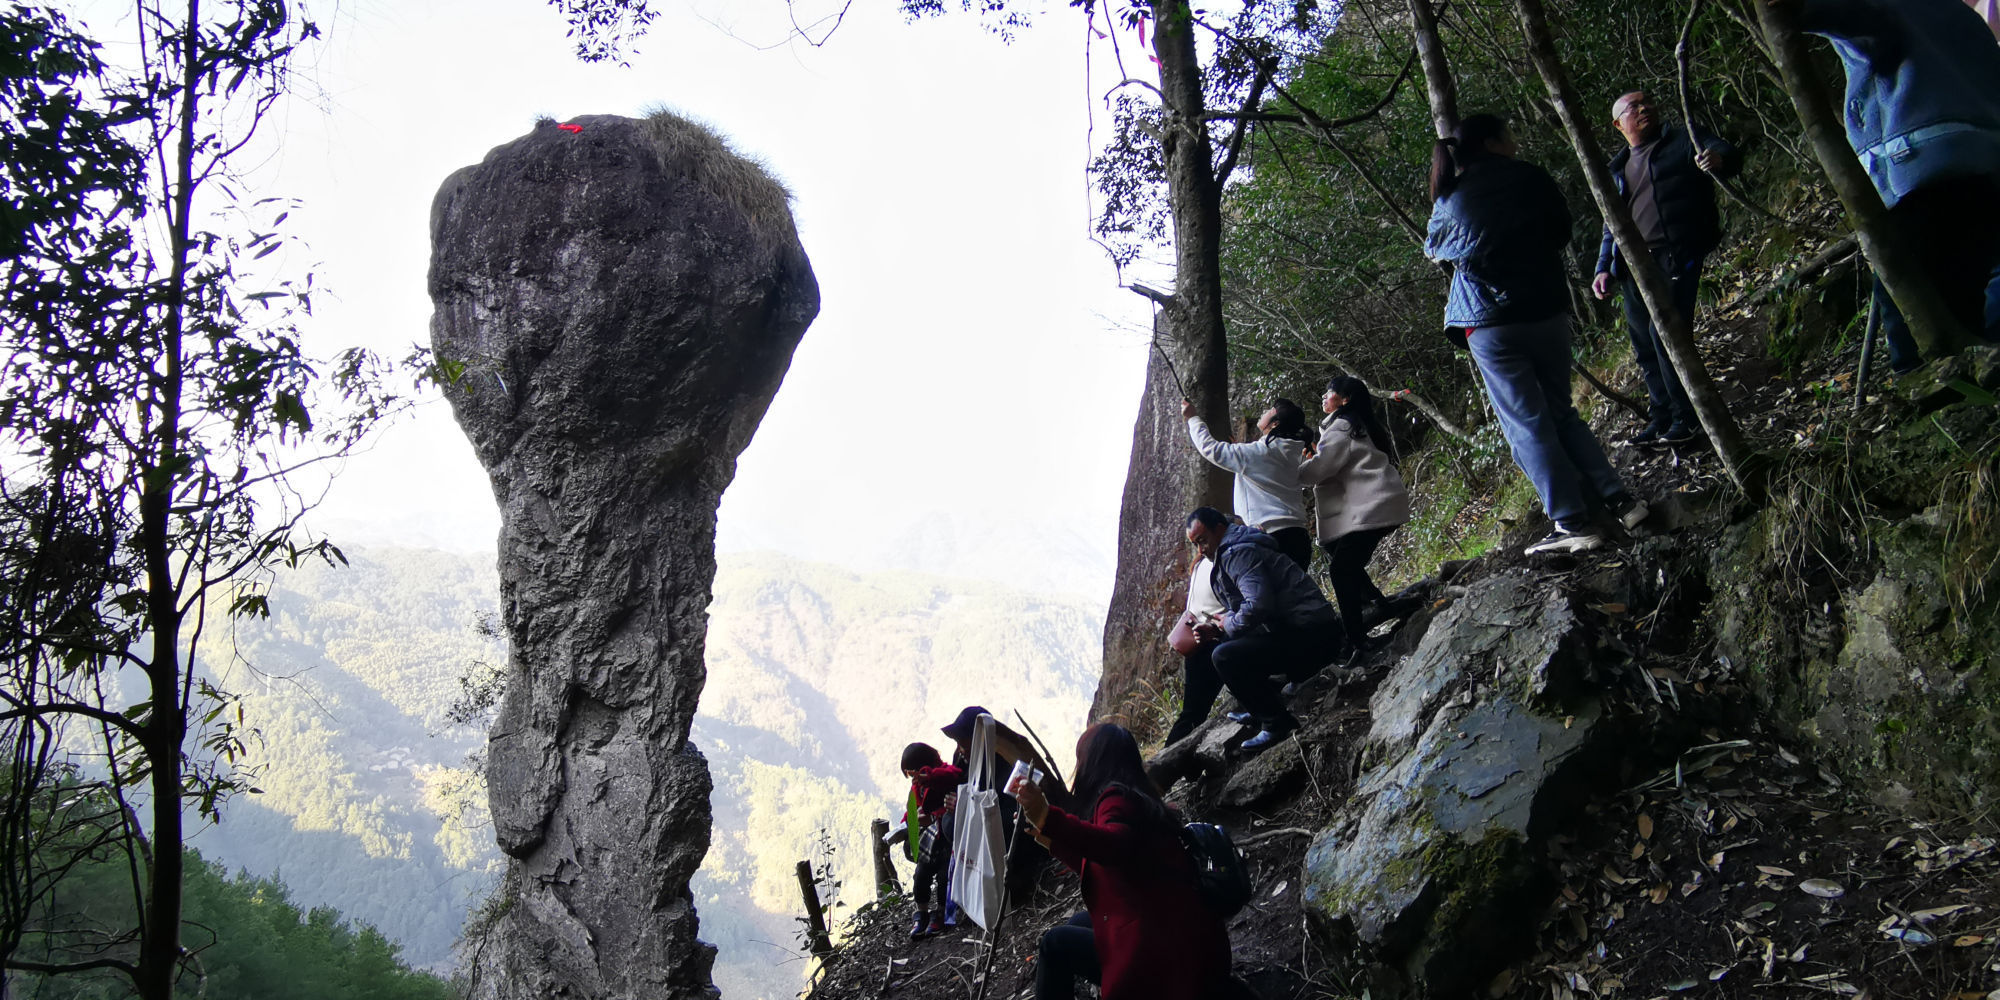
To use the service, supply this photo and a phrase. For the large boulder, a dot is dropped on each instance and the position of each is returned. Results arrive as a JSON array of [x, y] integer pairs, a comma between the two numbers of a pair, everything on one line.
[[1472, 755], [615, 308]]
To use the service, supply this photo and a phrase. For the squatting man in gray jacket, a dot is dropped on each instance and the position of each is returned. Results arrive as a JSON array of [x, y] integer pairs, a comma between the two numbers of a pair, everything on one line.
[[1275, 620]]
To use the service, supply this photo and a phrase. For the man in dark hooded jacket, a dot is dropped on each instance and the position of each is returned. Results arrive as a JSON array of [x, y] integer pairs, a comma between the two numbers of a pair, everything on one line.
[[1663, 175], [1276, 621]]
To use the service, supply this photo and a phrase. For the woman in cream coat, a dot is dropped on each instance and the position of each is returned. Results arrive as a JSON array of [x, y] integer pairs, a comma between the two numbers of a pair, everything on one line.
[[1359, 498]]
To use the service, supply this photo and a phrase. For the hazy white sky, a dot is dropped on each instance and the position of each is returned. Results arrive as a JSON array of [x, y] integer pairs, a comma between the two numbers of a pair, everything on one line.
[[973, 355]]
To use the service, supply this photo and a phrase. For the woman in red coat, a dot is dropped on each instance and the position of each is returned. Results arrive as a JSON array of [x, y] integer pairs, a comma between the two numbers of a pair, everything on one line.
[[1150, 935]]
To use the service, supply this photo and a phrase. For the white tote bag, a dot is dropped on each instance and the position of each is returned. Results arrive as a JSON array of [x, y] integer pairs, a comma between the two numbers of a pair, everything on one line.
[[979, 846]]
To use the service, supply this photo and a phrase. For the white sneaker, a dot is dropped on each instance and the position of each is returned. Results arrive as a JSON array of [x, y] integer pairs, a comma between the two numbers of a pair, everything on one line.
[[1632, 514], [1563, 542]]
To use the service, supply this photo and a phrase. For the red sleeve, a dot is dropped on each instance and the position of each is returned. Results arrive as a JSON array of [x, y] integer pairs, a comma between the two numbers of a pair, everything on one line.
[[1110, 839], [1063, 850]]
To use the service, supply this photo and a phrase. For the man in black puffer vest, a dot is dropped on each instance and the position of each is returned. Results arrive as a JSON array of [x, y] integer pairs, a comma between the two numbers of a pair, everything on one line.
[[1663, 175]]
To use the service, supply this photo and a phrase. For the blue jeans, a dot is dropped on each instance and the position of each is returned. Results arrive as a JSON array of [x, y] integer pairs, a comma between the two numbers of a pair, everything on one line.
[[1953, 228], [1903, 353], [1526, 367], [1663, 385]]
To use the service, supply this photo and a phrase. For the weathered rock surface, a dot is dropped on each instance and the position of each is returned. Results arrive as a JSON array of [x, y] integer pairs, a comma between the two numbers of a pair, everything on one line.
[[624, 302], [1273, 774], [1469, 758], [1880, 659]]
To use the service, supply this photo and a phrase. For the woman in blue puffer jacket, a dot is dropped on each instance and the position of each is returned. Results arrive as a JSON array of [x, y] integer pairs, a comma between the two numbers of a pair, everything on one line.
[[1502, 224], [1923, 115]]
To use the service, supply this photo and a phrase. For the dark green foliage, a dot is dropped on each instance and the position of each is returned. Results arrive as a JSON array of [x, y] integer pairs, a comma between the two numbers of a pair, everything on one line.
[[155, 406], [1323, 264], [250, 942], [603, 29]]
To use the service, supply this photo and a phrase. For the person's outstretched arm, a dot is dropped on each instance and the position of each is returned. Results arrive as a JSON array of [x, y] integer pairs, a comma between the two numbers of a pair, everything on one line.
[[1447, 238], [1111, 839], [1221, 454]]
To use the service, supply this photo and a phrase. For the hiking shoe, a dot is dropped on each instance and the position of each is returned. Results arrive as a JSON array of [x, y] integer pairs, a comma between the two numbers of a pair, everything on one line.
[[1629, 510], [1679, 434], [1391, 609], [1363, 650], [1566, 541], [1648, 436], [922, 928], [1272, 732], [1240, 718], [1375, 613], [937, 925]]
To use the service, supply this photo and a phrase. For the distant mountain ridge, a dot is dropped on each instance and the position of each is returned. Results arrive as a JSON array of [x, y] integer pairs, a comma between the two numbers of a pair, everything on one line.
[[817, 677]]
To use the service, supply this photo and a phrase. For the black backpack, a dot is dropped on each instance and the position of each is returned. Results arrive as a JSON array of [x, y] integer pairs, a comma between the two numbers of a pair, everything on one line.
[[1222, 874]]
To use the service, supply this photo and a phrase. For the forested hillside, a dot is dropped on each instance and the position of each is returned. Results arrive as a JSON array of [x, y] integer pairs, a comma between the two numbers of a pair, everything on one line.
[[249, 940], [371, 800], [368, 802]]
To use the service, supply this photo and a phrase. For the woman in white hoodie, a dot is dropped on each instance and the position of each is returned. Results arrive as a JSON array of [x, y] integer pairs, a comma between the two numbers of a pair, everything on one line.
[[1358, 499], [1268, 496]]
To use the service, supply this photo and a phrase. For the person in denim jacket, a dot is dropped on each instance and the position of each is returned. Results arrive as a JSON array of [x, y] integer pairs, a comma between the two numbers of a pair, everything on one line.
[[1923, 114], [1502, 224]]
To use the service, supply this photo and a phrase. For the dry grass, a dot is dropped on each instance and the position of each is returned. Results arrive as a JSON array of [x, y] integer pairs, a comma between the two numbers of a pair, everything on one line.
[[1972, 534], [693, 150]]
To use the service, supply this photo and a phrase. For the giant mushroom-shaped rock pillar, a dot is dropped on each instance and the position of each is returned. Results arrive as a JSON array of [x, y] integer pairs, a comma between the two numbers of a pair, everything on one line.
[[615, 308]]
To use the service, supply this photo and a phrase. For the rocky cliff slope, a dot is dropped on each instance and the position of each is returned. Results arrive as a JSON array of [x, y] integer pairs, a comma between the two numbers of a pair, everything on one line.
[[1748, 752]]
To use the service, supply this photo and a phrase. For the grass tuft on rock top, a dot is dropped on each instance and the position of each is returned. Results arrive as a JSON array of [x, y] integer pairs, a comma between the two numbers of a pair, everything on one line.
[[697, 152]]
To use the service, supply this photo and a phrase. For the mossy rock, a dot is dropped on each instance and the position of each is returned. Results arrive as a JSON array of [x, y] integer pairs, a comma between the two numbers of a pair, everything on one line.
[[1427, 866], [1858, 605]]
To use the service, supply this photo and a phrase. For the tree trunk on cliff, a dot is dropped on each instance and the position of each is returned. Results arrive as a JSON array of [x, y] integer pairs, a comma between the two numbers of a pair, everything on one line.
[[1678, 329], [1194, 195], [1167, 478], [1930, 322], [886, 882], [1438, 84]]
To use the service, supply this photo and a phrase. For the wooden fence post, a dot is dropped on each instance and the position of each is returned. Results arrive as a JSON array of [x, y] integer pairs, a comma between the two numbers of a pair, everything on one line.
[[820, 942], [886, 882]]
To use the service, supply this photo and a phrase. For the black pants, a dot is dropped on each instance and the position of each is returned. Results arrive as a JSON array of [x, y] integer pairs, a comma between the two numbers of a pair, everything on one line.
[[1025, 861], [934, 868], [1952, 226], [1347, 569], [1247, 663], [1296, 543], [1068, 951], [1669, 398], [1202, 684]]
